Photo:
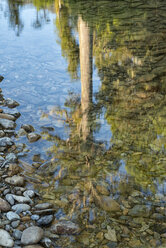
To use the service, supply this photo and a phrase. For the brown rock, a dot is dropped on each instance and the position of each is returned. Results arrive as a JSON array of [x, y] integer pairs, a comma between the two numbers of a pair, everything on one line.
[[4, 205], [7, 116], [65, 227], [109, 204], [32, 137]]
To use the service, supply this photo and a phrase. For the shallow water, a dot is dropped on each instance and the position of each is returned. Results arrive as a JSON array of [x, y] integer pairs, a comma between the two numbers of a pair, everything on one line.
[[90, 78]]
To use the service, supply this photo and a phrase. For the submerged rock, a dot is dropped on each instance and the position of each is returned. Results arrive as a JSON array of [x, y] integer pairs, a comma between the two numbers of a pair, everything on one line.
[[32, 235], [139, 211], [15, 180], [32, 137], [28, 128], [5, 239], [109, 204], [65, 227]]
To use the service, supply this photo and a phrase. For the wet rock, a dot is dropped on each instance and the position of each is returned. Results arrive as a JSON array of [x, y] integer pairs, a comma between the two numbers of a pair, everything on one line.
[[22, 132], [12, 216], [4, 205], [1, 78], [7, 116], [109, 204], [28, 128], [65, 227], [7, 124], [11, 158], [111, 235], [139, 211], [102, 189], [13, 112], [11, 103], [29, 193], [5, 141], [32, 235], [5, 239], [45, 220], [35, 217], [15, 180], [44, 205], [32, 137], [20, 207]]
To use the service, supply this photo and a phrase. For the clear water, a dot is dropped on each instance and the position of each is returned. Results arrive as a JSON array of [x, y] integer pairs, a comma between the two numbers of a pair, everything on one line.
[[112, 133]]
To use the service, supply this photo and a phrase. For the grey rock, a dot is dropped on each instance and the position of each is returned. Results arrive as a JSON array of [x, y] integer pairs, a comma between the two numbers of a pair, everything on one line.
[[35, 217], [28, 128], [45, 220], [32, 235], [2, 134], [20, 208], [29, 193], [13, 112], [15, 180], [22, 132], [5, 239], [6, 141], [10, 199], [11, 158], [12, 216], [33, 137], [7, 124], [15, 224], [4, 205], [11, 103], [44, 205], [22, 199], [6, 191], [139, 211], [17, 234]]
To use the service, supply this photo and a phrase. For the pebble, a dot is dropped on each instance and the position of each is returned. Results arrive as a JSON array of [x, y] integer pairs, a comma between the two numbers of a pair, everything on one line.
[[35, 217], [65, 227], [7, 124], [109, 204], [17, 234], [6, 141], [11, 103], [10, 199], [20, 207], [44, 205], [28, 128], [12, 216], [15, 223], [32, 235], [45, 220], [29, 193], [4, 205], [22, 199], [5, 239], [15, 180], [32, 137], [11, 158]]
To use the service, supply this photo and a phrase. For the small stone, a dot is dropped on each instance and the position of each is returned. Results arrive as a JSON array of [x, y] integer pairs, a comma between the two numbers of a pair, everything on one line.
[[139, 211], [45, 220], [6, 191], [7, 116], [1, 78], [28, 128], [32, 235], [15, 224], [29, 193], [21, 199], [20, 208], [33, 246], [2, 134], [17, 234], [44, 205], [7, 124], [35, 217], [11, 103], [32, 137], [65, 227], [5, 239], [109, 204], [12, 216], [11, 158], [111, 235], [10, 199], [6, 142], [15, 180], [4, 205]]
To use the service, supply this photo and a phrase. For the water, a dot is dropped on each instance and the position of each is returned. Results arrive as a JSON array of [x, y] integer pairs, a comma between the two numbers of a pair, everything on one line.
[[90, 78]]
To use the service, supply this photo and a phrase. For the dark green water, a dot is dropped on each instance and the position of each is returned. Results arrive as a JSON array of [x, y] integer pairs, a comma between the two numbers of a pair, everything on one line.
[[90, 76]]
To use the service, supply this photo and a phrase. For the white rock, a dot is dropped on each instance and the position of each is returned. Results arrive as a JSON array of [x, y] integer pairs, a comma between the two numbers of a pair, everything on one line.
[[5, 239], [12, 216]]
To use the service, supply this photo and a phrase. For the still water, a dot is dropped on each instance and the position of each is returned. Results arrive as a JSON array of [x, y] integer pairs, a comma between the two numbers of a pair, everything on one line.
[[90, 78]]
